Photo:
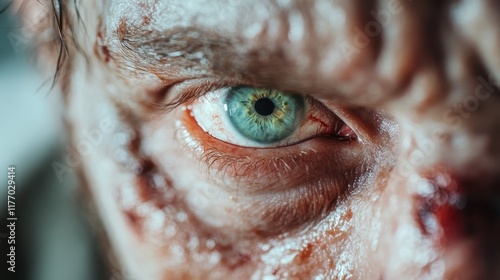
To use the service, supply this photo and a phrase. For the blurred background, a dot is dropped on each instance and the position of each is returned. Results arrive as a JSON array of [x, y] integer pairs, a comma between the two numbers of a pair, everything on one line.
[[54, 240]]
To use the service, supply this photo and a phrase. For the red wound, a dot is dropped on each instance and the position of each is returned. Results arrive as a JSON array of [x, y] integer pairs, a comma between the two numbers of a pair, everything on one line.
[[440, 212], [457, 207]]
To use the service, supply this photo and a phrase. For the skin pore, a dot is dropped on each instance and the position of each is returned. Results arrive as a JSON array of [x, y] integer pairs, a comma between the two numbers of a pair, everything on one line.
[[411, 193]]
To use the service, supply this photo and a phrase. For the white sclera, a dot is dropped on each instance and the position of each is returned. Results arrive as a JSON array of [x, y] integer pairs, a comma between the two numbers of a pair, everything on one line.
[[211, 114]]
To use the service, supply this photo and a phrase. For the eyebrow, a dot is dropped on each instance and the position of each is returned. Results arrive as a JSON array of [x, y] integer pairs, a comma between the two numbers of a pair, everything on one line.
[[188, 43], [196, 52], [184, 49], [267, 58], [200, 52]]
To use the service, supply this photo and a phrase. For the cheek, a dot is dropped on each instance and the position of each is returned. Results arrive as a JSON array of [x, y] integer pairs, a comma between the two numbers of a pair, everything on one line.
[[150, 228], [395, 240], [190, 182], [400, 243], [180, 208]]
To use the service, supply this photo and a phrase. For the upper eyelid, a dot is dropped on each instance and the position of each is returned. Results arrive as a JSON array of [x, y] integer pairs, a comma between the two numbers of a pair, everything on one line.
[[192, 89], [201, 87], [181, 93]]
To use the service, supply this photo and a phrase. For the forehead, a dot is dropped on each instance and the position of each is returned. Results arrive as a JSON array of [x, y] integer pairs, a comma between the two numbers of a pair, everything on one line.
[[302, 44], [257, 24], [230, 15]]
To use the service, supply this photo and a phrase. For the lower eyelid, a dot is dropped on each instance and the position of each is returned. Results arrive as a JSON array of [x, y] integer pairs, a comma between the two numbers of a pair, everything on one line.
[[298, 207], [278, 189], [267, 170]]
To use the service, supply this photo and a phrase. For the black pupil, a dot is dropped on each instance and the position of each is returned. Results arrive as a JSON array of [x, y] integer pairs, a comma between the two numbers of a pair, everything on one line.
[[264, 106]]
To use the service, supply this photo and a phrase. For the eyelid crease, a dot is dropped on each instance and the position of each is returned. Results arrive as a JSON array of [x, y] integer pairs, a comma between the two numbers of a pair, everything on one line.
[[189, 93]]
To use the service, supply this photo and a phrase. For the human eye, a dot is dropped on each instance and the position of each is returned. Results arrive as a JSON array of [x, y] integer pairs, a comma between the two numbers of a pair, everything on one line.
[[265, 118], [285, 158]]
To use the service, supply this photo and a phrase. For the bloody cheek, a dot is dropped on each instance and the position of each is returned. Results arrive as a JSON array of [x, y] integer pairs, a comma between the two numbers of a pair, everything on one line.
[[457, 207]]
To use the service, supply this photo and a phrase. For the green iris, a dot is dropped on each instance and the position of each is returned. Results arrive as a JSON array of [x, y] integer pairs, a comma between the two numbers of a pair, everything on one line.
[[264, 115]]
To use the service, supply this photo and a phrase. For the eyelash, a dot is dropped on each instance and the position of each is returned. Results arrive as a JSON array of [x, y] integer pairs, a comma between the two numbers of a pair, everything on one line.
[[210, 113], [302, 196], [226, 156], [297, 182]]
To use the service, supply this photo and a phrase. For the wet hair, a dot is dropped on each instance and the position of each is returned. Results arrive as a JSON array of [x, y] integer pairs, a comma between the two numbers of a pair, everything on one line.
[[64, 26], [58, 10], [60, 22]]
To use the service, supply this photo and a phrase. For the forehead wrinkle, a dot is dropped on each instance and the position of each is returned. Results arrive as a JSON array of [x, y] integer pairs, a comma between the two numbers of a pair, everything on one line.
[[176, 33], [189, 43], [166, 40], [176, 28], [248, 40]]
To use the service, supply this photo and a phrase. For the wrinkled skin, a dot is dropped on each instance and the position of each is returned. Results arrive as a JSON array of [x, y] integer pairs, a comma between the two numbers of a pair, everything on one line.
[[414, 196]]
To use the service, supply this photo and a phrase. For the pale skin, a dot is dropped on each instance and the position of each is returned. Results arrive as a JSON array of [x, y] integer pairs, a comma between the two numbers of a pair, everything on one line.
[[414, 195]]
